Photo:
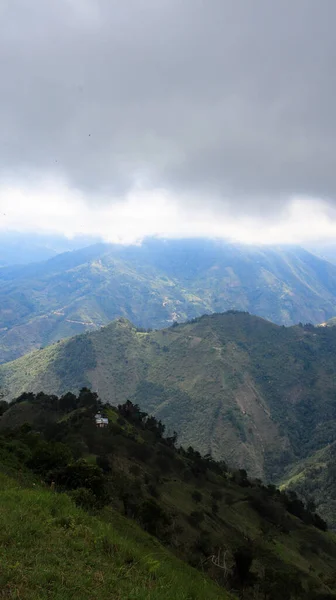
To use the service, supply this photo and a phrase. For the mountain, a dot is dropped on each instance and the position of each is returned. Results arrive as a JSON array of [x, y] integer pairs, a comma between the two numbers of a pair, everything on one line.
[[24, 248], [258, 395], [327, 251], [155, 284], [315, 477], [123, 500]]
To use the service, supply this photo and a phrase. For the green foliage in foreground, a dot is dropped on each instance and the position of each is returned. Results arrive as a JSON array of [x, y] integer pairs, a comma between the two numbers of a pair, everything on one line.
[[251, 539], [52, 549]]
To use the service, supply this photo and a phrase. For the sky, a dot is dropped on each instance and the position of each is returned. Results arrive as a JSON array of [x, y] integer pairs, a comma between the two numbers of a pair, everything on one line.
[[169, 117]]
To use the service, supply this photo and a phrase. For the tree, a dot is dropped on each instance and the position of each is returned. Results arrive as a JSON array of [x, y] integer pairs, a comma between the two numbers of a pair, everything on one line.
[[103, 462], [319, 522], [215, 508], [48, 456], [216, 495], [243, 561], [88, 399], [3, 407], [67, 402], [196, 517], [157, 427], [25, 397], [131, 412], [153, 517], [80, 474], [242, 478], [171, 440], [196, 496]]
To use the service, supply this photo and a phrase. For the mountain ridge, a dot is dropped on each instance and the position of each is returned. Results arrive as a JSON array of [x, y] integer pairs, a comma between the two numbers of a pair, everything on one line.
[[157, 283], [256, 394]]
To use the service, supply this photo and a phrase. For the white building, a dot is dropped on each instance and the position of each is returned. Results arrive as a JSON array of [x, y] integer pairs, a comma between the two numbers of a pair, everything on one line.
[[101, 421]]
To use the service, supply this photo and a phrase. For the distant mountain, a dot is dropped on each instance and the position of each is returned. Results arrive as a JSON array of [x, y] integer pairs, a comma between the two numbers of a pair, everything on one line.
[[258, 395], [327, 251], [24, 248], [157, 283]]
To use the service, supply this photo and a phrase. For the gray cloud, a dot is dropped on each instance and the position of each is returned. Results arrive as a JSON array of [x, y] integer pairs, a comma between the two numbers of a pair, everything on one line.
[[228, 98]]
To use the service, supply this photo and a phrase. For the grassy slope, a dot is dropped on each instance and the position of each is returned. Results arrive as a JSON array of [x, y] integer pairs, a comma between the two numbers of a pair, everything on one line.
[[156, 283], [51, 549]]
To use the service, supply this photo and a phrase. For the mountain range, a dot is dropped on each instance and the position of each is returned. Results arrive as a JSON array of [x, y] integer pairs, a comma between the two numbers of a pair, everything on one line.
[[258, 395], [155, 284]]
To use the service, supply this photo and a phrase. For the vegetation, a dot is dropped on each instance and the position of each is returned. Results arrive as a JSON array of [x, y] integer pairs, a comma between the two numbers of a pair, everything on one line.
[[259, 396], [314, 479], [111, 489], [52, 549], [155, 284]]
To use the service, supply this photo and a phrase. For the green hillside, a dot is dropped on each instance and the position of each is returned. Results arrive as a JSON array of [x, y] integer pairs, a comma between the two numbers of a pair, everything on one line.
[[127, 510], [50, 549], [155, 284], [258, 395], [315, 478]]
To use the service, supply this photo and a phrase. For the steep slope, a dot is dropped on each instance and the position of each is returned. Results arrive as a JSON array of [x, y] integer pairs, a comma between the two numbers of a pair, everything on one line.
[[314, 478], [257, 542], [327, 251], [52, 550], [155, 284], [258, 395]]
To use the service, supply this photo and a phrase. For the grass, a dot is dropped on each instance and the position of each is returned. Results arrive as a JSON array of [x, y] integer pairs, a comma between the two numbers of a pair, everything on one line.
[[52, 549]]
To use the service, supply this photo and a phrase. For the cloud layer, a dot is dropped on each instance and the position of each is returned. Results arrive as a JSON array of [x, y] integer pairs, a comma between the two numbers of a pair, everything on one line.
[[225, 104]]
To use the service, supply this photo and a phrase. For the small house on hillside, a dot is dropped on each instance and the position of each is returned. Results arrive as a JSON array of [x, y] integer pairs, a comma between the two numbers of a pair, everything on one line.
[[101, 421]]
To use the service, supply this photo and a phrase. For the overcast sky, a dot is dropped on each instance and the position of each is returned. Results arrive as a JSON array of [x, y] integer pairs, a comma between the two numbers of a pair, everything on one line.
[[169, 117]]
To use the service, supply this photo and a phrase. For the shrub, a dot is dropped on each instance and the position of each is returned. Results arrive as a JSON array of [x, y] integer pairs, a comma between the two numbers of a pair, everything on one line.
[[103, 462], [49, 456], [243, 558], [195, 518], [203, 543], [135, 470], [153, 491], [3, 407], [196, 496], [81, 474], [216, 495], [152, 517], [214, 508], [84, 498]]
